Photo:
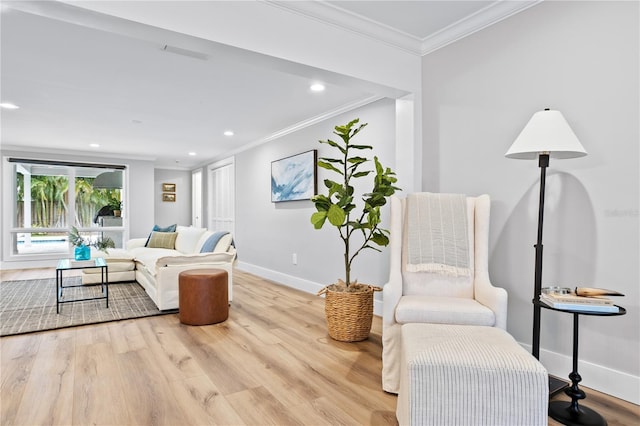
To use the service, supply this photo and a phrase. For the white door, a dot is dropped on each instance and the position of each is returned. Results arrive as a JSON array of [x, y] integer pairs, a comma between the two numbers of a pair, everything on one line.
[[222, 196], [196, 199]]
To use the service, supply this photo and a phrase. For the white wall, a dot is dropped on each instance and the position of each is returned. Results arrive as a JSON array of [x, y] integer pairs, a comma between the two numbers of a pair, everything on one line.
[[166, 212], [582, 59], [141, 211], [267, 234]]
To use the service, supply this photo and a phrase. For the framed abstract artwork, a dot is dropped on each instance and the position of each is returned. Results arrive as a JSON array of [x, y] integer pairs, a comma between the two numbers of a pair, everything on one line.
[[294, 178], [169, 196]]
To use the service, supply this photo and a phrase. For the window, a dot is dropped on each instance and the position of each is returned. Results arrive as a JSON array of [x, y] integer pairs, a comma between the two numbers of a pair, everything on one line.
[[49, 197]]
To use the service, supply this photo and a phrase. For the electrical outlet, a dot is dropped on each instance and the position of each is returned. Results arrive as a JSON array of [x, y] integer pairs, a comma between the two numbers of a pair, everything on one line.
[[294, 258]]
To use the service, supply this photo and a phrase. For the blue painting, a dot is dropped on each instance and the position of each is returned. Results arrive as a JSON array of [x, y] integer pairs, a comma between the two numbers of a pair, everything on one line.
[[294, 178]]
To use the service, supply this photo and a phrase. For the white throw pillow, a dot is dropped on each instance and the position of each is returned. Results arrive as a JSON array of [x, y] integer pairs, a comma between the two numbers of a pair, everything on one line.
[[188, 238], [203, 239], [224, 244]]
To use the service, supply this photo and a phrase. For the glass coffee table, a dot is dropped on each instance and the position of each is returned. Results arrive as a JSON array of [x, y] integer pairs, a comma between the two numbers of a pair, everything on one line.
[[70, 264]]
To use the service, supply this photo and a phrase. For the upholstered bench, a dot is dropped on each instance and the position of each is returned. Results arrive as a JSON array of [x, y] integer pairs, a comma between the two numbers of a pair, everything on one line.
[[469, 375], [121, 267]]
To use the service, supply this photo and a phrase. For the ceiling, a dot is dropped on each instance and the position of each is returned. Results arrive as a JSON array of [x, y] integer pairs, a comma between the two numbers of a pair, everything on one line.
[[77, 85]]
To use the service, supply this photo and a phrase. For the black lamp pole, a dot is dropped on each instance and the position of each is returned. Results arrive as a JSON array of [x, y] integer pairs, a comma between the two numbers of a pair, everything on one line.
[[543, 162]]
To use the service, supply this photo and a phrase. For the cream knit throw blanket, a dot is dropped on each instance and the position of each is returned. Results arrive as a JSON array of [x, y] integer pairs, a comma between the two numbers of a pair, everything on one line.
[[437, 234]]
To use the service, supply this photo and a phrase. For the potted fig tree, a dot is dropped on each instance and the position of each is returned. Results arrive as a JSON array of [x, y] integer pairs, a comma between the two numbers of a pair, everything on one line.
[[349, 304]]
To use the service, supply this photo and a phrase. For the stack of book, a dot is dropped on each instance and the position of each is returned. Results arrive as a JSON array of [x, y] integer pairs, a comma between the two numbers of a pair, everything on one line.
[[578, 303]]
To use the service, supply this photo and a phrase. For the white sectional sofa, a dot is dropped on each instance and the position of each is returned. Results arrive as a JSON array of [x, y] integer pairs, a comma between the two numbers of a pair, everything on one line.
[[156, 266]]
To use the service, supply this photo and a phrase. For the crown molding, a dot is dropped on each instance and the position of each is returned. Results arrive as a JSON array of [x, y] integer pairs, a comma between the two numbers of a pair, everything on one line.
[[492, 14], [300, 125], [349, 21], [355, 23]]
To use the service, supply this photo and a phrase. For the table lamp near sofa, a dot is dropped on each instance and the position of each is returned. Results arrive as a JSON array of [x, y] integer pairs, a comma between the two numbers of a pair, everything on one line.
[[546, 135]]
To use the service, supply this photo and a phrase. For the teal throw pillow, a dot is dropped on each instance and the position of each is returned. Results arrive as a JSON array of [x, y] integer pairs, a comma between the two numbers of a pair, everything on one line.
[[156, 228]]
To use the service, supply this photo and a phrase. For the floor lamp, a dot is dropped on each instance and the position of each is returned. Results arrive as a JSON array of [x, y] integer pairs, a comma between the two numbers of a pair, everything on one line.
[[547, 134]]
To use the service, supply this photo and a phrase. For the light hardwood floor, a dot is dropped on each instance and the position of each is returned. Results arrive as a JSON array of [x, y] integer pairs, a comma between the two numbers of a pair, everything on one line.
[[271, 362]]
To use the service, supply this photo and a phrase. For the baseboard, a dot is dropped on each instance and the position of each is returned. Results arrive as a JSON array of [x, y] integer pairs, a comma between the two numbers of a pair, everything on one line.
[[603, 379], [30, 264], [294, 282]]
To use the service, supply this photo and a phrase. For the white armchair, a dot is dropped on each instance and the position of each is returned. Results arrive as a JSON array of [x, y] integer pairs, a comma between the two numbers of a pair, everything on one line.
[[428, 297]]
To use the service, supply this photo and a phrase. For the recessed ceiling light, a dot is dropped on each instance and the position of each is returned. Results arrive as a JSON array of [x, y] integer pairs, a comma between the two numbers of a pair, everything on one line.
[[94, 145], [228, 133], [317, 87], [192, 154], [8, 105]]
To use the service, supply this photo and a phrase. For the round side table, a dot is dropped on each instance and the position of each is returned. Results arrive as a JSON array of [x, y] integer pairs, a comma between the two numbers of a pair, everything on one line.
[[569, 412]]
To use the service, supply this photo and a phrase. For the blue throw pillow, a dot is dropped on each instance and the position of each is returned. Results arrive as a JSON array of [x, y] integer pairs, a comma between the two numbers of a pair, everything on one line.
[[212, 241], [170, 228], [156, 228]]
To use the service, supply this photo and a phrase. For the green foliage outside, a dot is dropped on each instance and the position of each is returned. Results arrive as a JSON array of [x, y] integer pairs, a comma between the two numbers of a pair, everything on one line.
[[50, 198]]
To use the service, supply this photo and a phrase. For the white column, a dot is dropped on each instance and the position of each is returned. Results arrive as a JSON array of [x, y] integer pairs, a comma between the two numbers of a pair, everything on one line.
[[408, 144]]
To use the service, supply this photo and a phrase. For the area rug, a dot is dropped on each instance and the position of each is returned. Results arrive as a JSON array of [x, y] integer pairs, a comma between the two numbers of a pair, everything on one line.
[[30, 305]]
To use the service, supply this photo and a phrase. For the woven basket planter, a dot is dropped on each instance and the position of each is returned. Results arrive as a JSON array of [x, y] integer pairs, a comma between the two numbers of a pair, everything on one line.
[[349, 314]]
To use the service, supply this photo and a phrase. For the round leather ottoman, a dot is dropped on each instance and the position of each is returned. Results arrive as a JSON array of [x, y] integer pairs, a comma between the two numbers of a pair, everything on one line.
[[203, 296]]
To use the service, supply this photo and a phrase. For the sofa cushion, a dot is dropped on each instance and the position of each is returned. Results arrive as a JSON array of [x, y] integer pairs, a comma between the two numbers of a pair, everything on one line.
[[195, 259], [443, 310], [187, 239], [146, 257], [112, 255], [166, 240]]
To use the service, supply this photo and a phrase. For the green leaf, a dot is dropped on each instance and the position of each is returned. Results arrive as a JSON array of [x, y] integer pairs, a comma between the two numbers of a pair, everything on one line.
[[357, 160], [380, 239], [318, 219], [329, 183], [332, 160], [379, 168], [329, 166], [336, 215], [335, 145], [345, 201], [321, 202], [361, 174]]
